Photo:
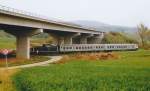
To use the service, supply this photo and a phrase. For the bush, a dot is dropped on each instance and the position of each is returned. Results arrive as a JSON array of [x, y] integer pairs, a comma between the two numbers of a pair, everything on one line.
[[116, 37], [88, 56]]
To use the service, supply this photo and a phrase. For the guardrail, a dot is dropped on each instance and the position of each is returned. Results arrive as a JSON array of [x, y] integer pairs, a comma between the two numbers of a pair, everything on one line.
[[5, 8]]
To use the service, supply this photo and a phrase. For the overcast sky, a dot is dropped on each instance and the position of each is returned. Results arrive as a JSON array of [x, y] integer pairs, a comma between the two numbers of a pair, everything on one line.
[[115, 12]]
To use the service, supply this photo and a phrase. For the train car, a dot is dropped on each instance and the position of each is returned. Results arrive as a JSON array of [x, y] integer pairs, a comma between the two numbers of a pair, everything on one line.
[[48, 48], [97, 47]]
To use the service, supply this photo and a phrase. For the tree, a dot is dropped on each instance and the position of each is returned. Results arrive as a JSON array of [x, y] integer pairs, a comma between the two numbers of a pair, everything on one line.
[[118, 38], [144, 34]]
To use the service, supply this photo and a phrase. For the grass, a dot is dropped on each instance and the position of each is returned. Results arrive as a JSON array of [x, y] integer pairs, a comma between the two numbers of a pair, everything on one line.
[[16, 62], [5, 80], [131, 72], [7, 43]]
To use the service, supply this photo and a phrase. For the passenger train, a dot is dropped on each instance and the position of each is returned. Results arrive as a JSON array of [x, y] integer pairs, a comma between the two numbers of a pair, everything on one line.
[[49, 48]]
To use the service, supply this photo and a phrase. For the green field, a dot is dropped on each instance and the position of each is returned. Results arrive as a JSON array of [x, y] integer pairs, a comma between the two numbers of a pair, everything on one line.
[[129, 73], [8, 43]]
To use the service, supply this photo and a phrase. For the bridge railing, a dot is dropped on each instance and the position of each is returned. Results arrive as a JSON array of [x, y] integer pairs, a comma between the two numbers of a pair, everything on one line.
[[5, 8]]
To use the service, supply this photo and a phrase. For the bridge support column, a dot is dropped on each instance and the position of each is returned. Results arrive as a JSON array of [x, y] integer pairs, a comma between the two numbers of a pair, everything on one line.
[[57, 39], [96, 39], [23, 41], [84, 37], [75, 39], [23, 47], [69, 39]]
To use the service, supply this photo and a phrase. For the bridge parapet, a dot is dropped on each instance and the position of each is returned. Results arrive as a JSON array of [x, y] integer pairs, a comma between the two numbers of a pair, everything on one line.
[[22, 13]]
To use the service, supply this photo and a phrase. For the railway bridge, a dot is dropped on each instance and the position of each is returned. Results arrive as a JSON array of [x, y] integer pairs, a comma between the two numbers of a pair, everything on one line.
[[23, 25]]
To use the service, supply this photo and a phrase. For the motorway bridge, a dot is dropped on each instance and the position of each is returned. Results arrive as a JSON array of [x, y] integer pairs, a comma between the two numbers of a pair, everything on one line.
[[23, 25]]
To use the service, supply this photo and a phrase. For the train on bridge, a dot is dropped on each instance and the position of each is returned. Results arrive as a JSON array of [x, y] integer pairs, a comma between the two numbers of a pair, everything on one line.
[[49, 48]]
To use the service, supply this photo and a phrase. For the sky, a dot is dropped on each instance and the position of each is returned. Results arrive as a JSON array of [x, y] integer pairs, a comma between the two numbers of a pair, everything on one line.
[[115, 12]]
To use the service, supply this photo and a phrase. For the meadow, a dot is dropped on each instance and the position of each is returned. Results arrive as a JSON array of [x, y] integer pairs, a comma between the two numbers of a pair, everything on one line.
[[130, 72], [7, 43]]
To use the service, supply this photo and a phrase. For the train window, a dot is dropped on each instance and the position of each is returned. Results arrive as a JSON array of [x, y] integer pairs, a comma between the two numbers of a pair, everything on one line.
[[79, 47], [86, 47], [76, 47], [82, 47]]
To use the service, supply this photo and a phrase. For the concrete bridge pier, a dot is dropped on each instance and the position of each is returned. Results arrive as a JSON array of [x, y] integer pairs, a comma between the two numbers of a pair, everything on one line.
[[23, 47], [96, 39], [68, 39], [63, 38], [75, 38], [23, 42], [84, 37], [57, 39]]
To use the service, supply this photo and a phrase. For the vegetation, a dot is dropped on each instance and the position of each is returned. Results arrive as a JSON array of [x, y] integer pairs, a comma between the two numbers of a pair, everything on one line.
[[95, 56], [144, 34], [5, 80], [7, 43], [129, 73], [116, 37], [40, 41], [3, 34]]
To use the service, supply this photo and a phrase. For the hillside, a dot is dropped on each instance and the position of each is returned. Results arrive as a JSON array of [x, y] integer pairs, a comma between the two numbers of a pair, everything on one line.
[[116, 37], [105, 27], [5, 35]]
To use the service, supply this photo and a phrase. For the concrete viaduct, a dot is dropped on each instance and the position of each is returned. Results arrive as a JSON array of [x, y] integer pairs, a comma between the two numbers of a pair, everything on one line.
[[23, 25]]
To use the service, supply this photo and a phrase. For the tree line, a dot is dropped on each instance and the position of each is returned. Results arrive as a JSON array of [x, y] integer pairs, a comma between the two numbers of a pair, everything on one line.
[[141, 37]]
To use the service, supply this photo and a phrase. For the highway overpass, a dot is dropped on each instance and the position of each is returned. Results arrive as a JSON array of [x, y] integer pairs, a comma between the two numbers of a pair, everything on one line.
[[23, 25]]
